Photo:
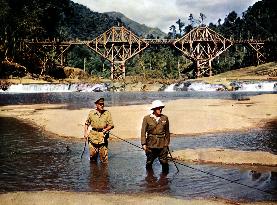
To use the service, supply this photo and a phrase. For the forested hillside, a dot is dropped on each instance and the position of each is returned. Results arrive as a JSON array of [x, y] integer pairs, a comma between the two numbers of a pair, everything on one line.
[[140, 29], [64, 19]]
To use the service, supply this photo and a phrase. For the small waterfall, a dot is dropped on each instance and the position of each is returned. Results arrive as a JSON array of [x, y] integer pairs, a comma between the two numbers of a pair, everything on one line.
[[262, 86], [44, 88], [170, 88], [255, 86], [200, 86], [194, 86]]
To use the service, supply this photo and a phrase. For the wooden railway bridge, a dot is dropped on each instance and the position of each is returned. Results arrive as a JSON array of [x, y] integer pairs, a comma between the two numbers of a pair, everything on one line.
[[118, 44]]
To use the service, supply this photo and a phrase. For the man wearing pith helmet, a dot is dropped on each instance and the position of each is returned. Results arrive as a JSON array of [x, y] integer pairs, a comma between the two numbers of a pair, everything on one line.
[[100, 121], [155, 136]]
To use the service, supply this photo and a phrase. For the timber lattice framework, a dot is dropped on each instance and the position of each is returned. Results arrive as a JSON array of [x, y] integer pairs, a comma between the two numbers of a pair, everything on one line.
[[117, 45]]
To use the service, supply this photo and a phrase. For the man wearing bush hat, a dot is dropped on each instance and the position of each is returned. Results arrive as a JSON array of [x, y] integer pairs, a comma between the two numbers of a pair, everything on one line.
[[100, 121], [155, 136]]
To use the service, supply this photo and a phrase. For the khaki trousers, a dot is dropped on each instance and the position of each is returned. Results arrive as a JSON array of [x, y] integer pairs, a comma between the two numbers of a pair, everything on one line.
[[100, 150]]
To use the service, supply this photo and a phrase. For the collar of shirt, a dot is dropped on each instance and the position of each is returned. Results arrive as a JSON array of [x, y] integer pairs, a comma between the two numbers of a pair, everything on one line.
[[96, 112], [155, 117]]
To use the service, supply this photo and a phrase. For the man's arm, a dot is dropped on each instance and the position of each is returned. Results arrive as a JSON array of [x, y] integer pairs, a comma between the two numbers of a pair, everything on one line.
[[86, 132], [108, 128], [110, 124], [143, 133], [167, 132]]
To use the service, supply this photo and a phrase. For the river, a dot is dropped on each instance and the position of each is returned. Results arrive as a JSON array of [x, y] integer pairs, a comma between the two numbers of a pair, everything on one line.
[[31, 160]]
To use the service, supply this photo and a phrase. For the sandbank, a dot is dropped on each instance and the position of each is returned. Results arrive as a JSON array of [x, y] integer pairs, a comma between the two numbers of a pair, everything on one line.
[[70, 198], [187, 116], [226, 156]]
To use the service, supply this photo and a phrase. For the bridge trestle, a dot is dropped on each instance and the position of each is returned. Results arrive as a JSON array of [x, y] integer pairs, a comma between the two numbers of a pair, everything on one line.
[[118, 44], [202, 45]]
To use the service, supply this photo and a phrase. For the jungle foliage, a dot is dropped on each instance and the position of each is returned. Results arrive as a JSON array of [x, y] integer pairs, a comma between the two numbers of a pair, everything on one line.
[[64, 20]]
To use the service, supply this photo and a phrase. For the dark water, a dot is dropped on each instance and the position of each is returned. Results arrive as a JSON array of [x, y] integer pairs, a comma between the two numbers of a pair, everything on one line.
[[31, 161], [79, 99]]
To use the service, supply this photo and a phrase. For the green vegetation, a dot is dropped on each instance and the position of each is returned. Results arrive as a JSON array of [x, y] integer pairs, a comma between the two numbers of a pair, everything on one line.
[[139, 29], [64, 20]]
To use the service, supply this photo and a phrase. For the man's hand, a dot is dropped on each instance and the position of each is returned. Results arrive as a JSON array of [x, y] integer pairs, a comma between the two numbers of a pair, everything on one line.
[[86, 135], [86, 132], [144, 147]]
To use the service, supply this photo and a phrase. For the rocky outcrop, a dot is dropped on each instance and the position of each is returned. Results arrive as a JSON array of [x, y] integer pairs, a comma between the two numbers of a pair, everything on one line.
[[77, 73], [12, 69]]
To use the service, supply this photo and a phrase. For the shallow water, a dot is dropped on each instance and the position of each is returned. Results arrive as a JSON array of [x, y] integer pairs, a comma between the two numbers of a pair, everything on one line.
[[30, 161], [80, 100]]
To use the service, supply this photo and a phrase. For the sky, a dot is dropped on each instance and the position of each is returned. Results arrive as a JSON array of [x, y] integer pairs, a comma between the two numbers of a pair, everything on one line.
[[164, 13]]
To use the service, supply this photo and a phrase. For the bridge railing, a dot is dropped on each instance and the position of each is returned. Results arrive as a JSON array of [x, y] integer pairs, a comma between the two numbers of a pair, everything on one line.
[[159, 41]]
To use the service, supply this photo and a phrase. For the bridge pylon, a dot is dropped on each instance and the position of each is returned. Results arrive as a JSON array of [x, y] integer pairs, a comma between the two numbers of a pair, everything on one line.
[[117, 45], [201, 45], [258, 48]]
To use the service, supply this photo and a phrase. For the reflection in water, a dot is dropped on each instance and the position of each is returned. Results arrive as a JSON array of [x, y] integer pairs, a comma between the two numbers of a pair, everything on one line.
[[99, 177], [31, 161], [271, 130], [273, 182], [153, 183], [255, 175]]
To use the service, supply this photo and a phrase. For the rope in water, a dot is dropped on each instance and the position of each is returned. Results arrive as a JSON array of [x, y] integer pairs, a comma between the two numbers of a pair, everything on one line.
[[199, 170]]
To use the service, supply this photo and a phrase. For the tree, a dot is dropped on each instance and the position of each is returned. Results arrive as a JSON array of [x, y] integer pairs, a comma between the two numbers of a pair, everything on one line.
[[219, 21], [180, 26], [173, 29], [202, 17], [191, 20]]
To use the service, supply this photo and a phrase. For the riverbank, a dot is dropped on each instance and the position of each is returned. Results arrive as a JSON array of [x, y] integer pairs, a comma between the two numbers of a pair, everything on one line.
[[70, 198], [224, 81], [187, 116]]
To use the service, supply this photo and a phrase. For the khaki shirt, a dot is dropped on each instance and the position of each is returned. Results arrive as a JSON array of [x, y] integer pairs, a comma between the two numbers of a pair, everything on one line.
[[155, 134], [98, 121]]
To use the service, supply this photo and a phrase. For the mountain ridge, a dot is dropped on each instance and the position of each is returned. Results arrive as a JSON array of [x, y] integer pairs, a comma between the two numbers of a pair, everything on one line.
[[140, 29]]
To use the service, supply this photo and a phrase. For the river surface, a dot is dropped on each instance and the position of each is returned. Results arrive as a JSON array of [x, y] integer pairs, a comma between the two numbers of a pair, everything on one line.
[[84, 100], [31, 160]]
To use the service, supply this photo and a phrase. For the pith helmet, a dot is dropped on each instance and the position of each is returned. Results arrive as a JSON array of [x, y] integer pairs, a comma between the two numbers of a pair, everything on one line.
[[99, 100], [156, 103]]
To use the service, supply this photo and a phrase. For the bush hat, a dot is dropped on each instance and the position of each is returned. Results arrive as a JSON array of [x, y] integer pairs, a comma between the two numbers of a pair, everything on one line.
[[156, 104], [99, 100]]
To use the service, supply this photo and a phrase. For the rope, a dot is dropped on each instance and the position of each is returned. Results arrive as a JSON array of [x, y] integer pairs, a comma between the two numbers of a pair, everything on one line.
[[127, 141], [84, 149], [199, 170], [231, 181], [143, 149]]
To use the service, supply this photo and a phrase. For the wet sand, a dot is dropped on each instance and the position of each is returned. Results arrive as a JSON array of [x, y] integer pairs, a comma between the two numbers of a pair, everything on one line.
[[226, 156], [70, 198]]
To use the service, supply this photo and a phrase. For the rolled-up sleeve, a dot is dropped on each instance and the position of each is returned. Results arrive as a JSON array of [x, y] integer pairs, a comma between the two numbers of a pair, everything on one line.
[[88, 121], [109, 119]]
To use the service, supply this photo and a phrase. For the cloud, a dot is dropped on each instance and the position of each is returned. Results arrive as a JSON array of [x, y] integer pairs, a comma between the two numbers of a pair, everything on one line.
[[164, 13]]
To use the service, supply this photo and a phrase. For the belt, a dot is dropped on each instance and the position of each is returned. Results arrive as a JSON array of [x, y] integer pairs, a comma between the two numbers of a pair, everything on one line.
[[97, 129], [157, 135]]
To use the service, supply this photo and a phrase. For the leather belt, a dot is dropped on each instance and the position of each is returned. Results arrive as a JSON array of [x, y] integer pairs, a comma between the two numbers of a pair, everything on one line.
[[97, 129], [158, 136]]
